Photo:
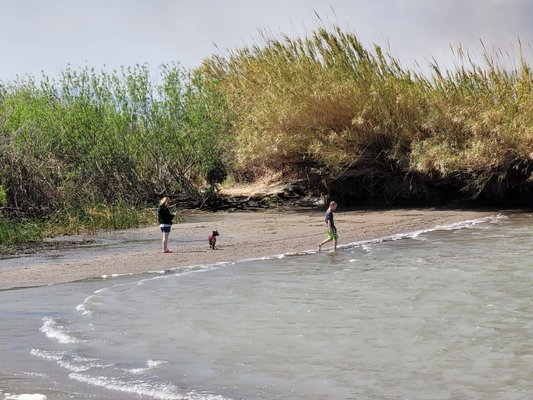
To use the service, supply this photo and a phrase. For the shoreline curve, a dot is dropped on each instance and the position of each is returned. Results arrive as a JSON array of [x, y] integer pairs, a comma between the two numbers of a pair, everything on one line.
[[243, 236]]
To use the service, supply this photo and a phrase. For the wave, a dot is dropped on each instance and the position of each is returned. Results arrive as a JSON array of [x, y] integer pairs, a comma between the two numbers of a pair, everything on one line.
[[468, 224], [87, 306], [166, 391], [77, 364], [72, 363], [53, 330], [365, 244], [33, 396], [150, 364]]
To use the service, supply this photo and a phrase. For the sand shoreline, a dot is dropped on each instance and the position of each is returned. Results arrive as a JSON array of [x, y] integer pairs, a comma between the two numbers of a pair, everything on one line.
[[243, 235]]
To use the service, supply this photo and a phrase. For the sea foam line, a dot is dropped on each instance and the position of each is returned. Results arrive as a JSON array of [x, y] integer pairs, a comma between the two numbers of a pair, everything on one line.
[[150, 364], [416, 233], [158, 391], [25, 396], [53, 330], [74, 363], [84, 307]]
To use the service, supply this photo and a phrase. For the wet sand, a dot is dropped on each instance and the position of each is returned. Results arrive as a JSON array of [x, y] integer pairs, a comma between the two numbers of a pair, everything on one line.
[[243, 235]]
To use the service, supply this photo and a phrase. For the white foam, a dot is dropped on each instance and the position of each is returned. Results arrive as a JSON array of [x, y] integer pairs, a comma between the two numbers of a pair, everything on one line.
[[48, 355], [150, 364], [83, 307], [158, 391], [161, 391], [33, 396], [86, 305], [74, 363], [53, 330], [193, 395], [366, 247], [38, 374], [468, 224]]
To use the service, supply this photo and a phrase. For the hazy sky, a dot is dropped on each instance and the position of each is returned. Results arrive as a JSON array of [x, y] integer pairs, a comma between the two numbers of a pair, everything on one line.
[[48, 35]]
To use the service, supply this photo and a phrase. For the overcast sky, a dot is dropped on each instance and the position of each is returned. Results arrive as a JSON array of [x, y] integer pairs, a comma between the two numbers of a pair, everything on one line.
[[48, 35]]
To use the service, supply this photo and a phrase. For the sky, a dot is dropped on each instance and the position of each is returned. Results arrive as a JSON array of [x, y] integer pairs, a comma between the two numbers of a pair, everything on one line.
[[47, 36]]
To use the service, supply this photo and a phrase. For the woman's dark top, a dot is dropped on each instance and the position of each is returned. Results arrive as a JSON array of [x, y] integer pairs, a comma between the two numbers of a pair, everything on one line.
[[164, 215]]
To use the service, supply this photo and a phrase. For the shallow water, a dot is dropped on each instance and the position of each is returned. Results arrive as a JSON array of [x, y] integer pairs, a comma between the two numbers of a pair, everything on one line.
[[434, 315]]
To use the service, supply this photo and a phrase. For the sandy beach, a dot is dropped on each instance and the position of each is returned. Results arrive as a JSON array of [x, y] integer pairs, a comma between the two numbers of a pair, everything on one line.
[[243, 235]]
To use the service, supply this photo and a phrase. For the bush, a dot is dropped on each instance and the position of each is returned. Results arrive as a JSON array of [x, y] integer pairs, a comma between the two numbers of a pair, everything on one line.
[[101, 138]]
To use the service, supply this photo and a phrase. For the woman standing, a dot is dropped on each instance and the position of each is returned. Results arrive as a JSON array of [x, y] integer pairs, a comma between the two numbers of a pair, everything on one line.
[[165, 221]]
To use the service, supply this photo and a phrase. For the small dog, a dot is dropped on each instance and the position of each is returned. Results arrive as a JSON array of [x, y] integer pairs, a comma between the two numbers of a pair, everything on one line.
[[213, 239]]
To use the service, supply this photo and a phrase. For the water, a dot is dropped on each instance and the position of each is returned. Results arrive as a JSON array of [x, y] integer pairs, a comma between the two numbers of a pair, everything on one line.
[[436, 315]]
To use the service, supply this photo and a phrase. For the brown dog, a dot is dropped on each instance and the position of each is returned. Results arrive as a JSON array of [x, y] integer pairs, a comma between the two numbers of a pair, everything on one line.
[[213, 239]]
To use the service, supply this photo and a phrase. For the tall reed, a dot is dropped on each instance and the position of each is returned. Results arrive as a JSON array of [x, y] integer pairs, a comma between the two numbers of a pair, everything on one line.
[[327, 103]]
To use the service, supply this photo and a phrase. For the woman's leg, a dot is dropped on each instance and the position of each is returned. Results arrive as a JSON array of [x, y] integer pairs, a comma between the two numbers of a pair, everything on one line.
[[165, 242]]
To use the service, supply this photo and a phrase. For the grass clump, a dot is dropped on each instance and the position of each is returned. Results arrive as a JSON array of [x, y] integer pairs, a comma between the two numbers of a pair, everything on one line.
[[96, 217], [29, 232], [14, 234]]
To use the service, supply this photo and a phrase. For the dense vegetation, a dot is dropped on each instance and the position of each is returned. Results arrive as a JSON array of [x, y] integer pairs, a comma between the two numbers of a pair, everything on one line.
[[94, 138], [372, 130], [90, 146]]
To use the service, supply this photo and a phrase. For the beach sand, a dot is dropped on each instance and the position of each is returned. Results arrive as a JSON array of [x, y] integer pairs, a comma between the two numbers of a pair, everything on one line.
[[243, 235]]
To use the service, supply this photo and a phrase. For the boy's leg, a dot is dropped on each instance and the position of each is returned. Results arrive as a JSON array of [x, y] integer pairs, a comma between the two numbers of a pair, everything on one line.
[[319, 245], [335, 237]]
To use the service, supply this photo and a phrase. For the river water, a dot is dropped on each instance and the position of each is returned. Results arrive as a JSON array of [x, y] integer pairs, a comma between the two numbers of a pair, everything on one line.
[[443, 314]]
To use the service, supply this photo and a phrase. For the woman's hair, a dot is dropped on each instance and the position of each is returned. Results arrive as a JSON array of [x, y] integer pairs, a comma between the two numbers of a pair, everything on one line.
[[164, 201]]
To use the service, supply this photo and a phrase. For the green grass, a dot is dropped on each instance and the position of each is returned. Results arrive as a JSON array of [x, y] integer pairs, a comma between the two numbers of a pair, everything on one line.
[[15, 236], [94, 218]]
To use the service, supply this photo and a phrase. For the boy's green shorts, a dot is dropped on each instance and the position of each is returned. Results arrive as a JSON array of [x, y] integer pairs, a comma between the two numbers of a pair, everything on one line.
[[332, 234]]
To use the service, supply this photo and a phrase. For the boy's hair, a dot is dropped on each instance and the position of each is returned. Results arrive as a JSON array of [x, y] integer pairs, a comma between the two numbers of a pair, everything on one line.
[[164, 200], [333, 204]]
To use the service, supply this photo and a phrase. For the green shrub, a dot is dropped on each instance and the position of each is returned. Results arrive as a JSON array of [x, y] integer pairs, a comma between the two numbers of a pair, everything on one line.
[[14, 235]]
